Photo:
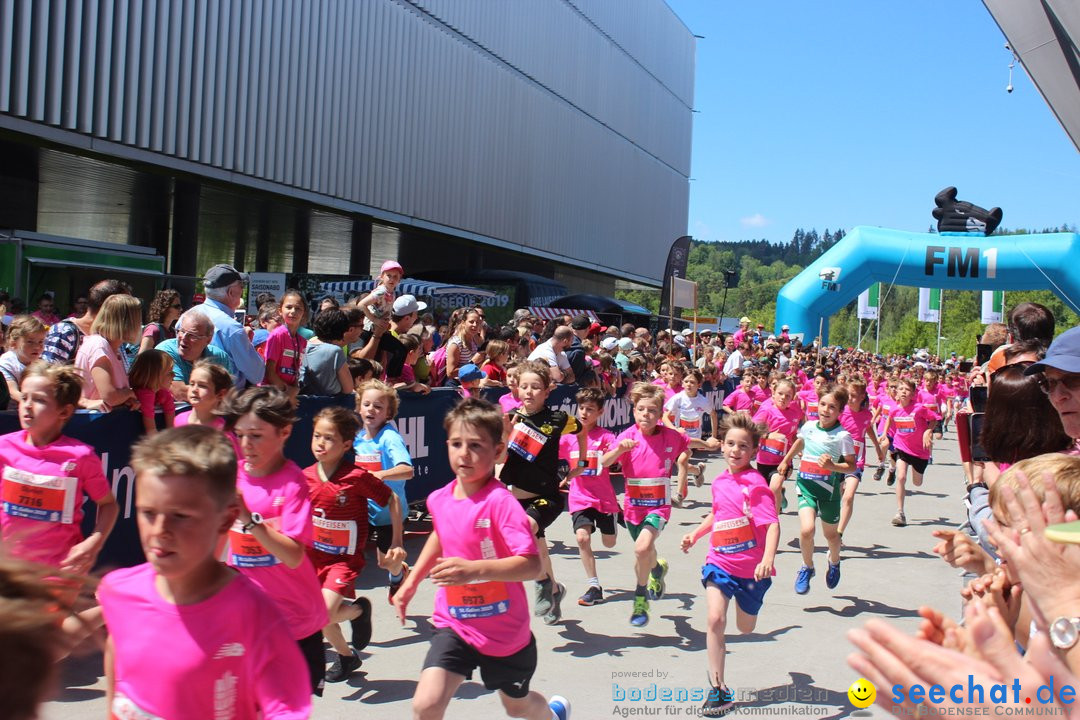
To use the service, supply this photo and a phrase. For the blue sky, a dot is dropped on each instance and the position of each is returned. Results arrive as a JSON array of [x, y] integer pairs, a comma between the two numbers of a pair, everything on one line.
[[843, 113]]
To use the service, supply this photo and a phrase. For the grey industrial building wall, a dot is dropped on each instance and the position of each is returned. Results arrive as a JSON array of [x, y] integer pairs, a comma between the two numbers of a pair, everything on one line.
[[558, 127]]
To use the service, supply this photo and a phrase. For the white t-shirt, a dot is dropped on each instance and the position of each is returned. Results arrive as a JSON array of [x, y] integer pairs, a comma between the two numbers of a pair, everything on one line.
[[686, 411], [11, 368], [733, 366], [545, 351]]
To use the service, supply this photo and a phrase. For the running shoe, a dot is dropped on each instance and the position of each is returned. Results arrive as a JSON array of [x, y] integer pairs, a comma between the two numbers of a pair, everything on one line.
[[394, 585], [554, 615], [342, 668], [656, 584], [700, 479], [640, 616], [832, 576], [802, 580], [560, 707], [361, 626], [899, 520], [892, 477], [783, 500], [543, 597], [676, 500], [719, 702], [595, 594], [879, 473]]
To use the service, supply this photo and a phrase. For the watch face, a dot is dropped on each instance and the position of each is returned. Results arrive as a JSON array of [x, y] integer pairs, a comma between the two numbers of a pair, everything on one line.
[[1063, 633], [256, 518]]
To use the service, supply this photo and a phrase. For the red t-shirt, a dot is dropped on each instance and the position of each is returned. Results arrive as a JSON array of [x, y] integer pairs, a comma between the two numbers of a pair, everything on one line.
[[494, 372], [339, 513]]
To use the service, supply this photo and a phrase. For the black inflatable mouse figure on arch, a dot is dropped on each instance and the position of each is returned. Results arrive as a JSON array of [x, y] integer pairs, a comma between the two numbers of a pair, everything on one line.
[[960, 216]]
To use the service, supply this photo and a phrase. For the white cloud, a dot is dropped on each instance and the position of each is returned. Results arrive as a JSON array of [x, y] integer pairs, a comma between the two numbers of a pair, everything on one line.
[[757, 220]]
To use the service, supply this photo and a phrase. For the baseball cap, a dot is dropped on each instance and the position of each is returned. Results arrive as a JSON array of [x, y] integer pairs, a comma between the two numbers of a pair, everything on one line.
[[744, 319], [469, 371], [784, 327], [391, 265], [626, 344], [609, 343], [221, 276], [687, 332], [407, 305], [596, 328], [1063, 354], [706, 331], [581, 322], [680, 340]]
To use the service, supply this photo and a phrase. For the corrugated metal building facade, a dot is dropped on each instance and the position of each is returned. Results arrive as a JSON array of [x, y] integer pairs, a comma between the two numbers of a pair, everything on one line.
[[279, 133]]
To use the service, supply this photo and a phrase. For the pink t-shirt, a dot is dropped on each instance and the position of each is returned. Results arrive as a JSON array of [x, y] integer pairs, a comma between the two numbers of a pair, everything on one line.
[[282, 499], [591, 489], [932, 400], [886, 405], [149, 401], [43, 489], [743, 508], [509, 403], [760, 395], [856, 424], [909, 423], [771, 450], [286, 351], [647, 469], [229, 656], [185, 417], [810, 400], [93, 348], [492, 617], [739, 399]]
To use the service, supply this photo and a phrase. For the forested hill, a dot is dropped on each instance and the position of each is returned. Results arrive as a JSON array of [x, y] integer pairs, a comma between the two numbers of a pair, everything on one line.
[[762, 268]]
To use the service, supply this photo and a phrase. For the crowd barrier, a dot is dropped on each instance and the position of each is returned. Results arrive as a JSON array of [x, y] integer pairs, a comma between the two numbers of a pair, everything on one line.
[[420, 421]]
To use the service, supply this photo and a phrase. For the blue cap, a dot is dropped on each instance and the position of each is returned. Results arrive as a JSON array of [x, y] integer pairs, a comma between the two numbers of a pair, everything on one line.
[[1063, 354], [469, 372]]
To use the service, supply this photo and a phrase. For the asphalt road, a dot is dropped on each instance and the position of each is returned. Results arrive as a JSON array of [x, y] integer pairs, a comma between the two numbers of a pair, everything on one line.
[[793, 665]]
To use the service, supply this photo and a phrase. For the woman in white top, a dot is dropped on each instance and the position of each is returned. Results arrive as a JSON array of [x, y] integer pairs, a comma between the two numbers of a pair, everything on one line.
[[106, 387]]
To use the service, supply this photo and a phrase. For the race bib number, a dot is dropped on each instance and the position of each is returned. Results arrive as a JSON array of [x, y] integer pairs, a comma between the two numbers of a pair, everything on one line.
[[811, 411], [905, 425], [247, 552], [371, 462], [860, 451], [469, 602], [526, 441], [733, 536], [690, 424], [774, 449], [124, 708], [39, 497], [334, 537], [810, 470], [647, 492], [592, 457]]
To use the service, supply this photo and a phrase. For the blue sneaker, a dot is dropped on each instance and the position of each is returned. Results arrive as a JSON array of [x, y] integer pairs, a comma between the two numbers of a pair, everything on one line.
[[832, 576], [802, 580], [560, 707], [640, 615]]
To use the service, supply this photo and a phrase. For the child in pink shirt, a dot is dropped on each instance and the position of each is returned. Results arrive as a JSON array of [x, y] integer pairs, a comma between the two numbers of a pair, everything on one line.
[[479, 553], [209, 384], [285, 347], [510, 401], [151, 378], [913, 439], [267, 542], [649, 452], [782, 418], [744, 533], [857, 419], [741, 398], [188, 636], [592, 501], [45, 476]]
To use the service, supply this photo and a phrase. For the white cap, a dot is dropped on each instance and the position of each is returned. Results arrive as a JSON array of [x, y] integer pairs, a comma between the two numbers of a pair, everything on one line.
[[609, 343], [687, 332]]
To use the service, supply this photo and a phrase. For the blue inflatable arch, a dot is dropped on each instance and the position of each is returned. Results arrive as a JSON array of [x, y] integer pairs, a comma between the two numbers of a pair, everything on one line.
[[953, 261]]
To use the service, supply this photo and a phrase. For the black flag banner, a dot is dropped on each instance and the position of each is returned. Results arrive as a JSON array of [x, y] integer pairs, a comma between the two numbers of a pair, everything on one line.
[[676, 266]]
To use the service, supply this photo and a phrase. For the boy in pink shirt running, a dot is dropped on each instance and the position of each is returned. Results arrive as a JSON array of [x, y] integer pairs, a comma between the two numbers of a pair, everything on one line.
[[479, 553], [188, 636]]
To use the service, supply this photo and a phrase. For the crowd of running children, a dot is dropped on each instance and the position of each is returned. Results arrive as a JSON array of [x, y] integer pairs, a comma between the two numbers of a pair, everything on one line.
[[218, 486]]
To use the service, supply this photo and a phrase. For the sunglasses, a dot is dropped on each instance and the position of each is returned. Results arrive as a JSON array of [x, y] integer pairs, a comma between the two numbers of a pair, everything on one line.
[[1050, 385]]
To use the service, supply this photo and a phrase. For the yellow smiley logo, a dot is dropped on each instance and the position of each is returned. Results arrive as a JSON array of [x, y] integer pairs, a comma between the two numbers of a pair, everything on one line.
[[862, 693]]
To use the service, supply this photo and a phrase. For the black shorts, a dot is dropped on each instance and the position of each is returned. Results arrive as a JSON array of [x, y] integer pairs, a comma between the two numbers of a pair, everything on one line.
[[311, 648], [510, 674], [767, 471], [915, 463], [383, 535], [544, 510], [594, 520]]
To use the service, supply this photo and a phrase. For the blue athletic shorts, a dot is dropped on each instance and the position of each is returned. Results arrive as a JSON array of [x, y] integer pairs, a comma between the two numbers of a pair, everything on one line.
[[749, 594]]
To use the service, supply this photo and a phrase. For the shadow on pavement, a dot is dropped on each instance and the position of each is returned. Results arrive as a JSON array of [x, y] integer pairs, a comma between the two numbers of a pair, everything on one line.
[[582, 643], [800, 691], [860, 606], [76, 673]]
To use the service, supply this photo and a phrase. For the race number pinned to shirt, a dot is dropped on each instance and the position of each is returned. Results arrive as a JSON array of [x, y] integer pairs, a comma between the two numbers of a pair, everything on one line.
[[904, 425], [860, 451], [372, 462], [810, 470], [689, 424], [245, 551], [47, 498], [647, 492], [479, 600], [811, 411], [334, 537], [733, 536], [773, 447], [526, 442]]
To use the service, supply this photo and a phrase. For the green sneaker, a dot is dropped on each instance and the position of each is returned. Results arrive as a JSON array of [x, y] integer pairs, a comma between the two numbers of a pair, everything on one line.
[[640, 616], [656, 585], [543, 598]]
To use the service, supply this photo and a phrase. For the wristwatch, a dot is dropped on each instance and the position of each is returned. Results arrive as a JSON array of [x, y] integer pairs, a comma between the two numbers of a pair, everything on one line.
[[256, 519], [583, 463], [1064, 632]]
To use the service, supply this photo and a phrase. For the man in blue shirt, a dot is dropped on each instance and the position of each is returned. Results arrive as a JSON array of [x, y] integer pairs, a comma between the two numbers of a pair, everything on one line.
[[224, 288]]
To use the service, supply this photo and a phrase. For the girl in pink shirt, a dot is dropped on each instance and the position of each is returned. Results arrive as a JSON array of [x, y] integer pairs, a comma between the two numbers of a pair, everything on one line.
[[782, 418], [913, 439], [741, 398], [285, 347], [809, 397], [106, 380], [744, 532], [856, 418], [151, 378], [208, 385], [267, 542], [188, 636]]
